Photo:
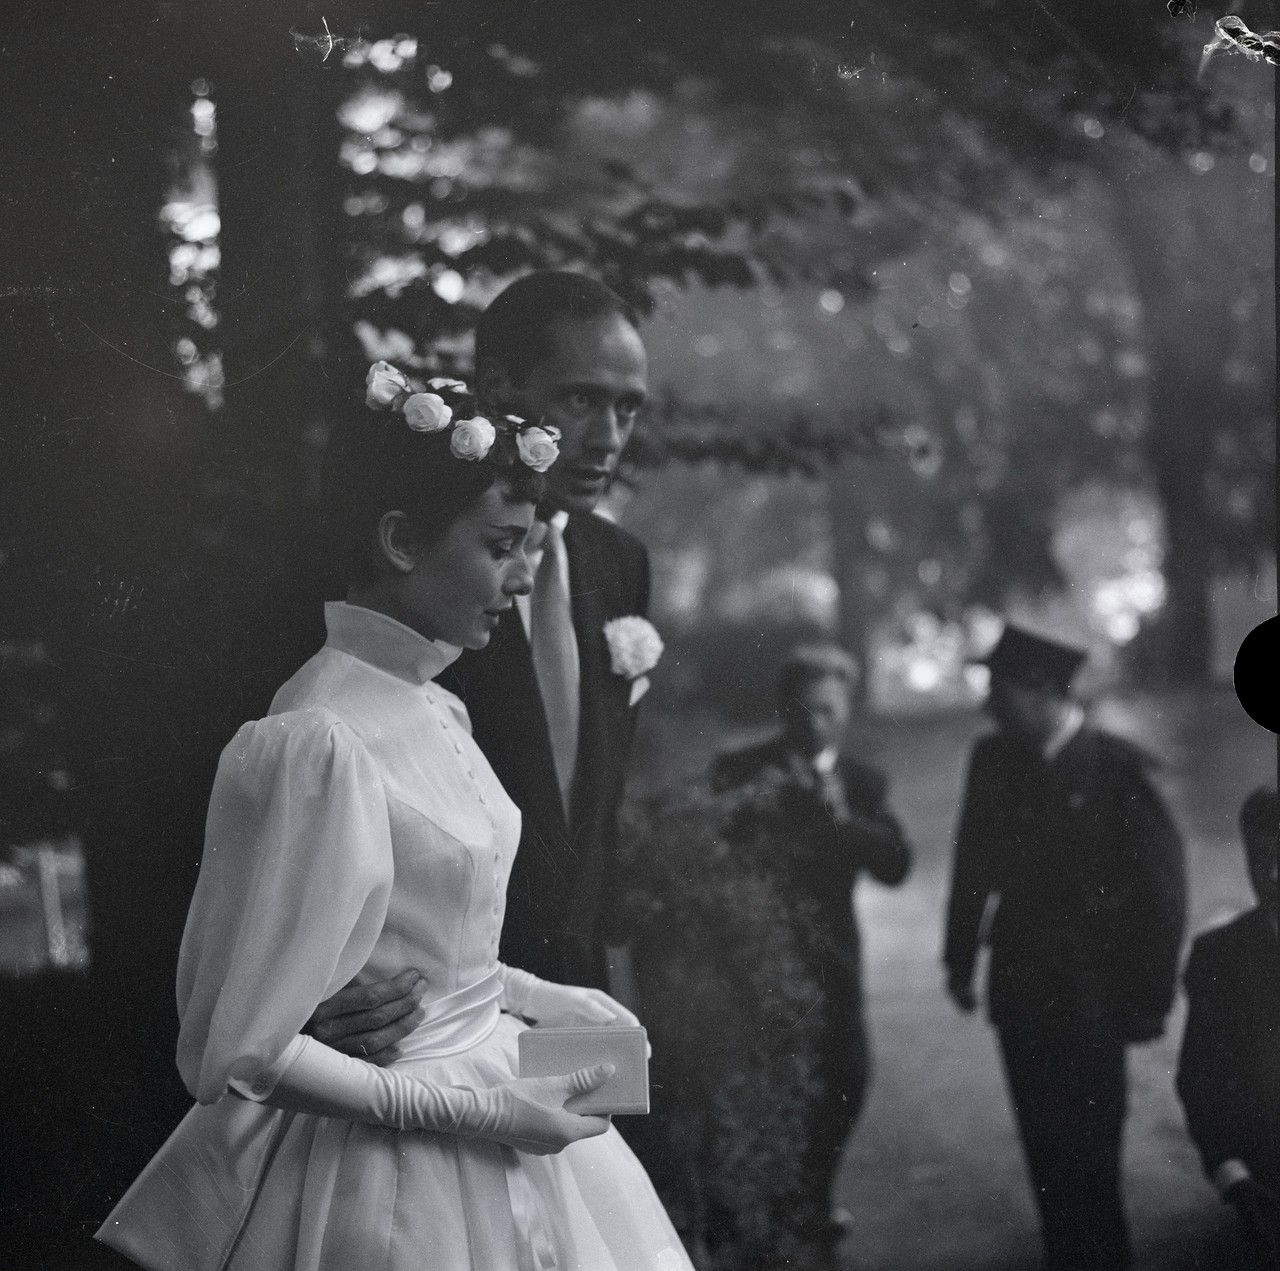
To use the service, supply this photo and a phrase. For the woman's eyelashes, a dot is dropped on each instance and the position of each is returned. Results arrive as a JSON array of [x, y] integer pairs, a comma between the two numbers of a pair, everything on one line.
[[508, 547]]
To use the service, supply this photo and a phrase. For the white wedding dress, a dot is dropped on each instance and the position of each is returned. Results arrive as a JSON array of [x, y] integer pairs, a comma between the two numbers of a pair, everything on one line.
[[358, 829]]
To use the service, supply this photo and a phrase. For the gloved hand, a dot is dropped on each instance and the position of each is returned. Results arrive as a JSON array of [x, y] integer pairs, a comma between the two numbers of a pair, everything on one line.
[[526, 1114], [559, 1005]]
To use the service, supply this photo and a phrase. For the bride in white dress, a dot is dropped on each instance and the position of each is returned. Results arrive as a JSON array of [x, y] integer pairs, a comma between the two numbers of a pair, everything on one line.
[[355, 831]]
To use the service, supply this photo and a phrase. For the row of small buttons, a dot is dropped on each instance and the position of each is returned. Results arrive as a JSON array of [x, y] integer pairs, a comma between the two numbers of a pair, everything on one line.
[[497, 855]]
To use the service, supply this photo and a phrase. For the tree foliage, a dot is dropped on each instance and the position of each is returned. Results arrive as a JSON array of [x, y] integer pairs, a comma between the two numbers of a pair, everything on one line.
[[832, 136], [741, 146]]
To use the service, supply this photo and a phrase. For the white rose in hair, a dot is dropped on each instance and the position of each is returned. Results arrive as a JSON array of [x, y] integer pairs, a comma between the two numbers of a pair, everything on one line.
[[472, 438], [537, 448], [634, 645], [426, 412], [383, 385]]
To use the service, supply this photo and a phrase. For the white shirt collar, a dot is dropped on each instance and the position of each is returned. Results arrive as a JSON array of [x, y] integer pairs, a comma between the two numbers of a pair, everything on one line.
[[1072, 721], [825, 760]]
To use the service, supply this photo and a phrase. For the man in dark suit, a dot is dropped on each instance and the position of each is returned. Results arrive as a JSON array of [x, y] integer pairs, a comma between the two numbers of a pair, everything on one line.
[[837, 816], [547, 707], [1062, 830], [1229, 1065]]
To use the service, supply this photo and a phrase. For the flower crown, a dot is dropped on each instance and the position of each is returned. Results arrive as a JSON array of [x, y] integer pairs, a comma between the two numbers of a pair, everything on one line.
[[446, 404]]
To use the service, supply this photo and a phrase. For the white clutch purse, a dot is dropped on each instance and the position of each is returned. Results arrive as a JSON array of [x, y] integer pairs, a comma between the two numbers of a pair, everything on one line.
[[556, 1052]]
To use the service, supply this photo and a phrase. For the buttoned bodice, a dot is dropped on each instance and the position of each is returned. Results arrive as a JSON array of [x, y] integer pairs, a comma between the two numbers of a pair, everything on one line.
[[454, 831], [354, 832]]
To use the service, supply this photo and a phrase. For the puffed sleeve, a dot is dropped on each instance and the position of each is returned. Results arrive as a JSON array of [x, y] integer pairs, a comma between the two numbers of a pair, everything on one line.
[[292, 893]]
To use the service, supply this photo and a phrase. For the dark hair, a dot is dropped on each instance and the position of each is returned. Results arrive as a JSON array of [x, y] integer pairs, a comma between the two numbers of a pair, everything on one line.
[[514, 332], [1260, 820], [809, 662], [375, 464]]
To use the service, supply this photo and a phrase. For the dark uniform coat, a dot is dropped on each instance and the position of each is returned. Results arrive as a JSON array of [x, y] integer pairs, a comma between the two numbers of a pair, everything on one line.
[[1229, 1065], [563, 884], [1085, 870]]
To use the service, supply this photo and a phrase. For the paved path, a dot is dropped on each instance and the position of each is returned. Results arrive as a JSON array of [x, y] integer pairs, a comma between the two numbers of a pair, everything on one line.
[[933, 1176]]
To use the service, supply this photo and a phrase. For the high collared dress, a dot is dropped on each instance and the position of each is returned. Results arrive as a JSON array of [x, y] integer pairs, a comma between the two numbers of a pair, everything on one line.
[[356, 831]]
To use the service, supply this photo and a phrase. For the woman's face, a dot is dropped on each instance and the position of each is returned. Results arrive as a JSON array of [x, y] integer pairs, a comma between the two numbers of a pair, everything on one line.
[[461, 583]]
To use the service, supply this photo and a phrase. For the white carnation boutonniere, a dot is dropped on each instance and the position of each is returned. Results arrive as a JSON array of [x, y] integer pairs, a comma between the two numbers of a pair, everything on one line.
[[634, 649]]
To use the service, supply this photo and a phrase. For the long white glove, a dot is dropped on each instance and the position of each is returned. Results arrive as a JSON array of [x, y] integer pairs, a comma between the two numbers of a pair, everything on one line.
[[558, 1005], [526, 1114]]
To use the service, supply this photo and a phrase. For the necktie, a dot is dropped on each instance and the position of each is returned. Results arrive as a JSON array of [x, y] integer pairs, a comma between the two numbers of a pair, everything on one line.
[[555, 656], [824, 779], [831, 792]]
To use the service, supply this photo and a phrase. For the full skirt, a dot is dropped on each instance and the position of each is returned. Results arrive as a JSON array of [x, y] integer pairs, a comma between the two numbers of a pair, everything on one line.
[[243, 1187]]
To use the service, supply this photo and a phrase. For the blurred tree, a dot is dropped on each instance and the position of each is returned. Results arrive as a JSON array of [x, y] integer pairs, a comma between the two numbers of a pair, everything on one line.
[[824, 140], [148, 546], [1199, 232], [1015, 353], [98, 439], [808, 146]]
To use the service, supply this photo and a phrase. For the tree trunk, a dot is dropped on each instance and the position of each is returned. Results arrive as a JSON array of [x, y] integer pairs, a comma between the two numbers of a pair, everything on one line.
[[858, 608], [280, 296], [1191, 238], [103, 439], [154, 590], [1184, 405]]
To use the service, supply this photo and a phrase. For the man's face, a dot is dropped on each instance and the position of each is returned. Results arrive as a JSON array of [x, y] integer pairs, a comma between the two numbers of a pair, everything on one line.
[[591, 386], [1019, 709], [816, 715]]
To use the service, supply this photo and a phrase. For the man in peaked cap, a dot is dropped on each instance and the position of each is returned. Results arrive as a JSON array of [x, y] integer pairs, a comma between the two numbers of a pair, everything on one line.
[[1062, 831]]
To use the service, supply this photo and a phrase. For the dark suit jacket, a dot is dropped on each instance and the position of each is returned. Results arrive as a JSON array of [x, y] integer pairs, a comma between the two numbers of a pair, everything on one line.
[[1088, 870], [1229, 1065], [836, 853], [562, 889]]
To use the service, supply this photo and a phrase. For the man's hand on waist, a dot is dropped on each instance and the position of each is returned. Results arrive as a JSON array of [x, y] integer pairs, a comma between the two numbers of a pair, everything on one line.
[[366, 1021]]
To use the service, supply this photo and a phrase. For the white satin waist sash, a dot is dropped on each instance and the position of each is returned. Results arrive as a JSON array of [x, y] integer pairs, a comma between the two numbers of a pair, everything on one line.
[[453, 1024], [456, 1022]]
